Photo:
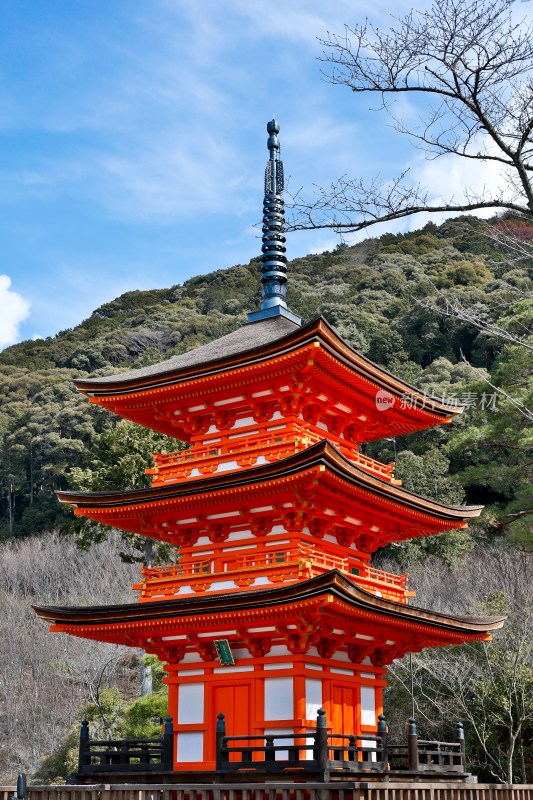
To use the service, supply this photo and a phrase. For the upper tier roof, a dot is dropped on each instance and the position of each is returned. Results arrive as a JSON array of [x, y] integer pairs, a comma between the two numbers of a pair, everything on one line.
[[254, 353], [247, 338]]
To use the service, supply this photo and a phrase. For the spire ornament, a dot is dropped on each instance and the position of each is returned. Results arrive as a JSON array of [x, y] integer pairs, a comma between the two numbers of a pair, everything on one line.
[[274, 261]]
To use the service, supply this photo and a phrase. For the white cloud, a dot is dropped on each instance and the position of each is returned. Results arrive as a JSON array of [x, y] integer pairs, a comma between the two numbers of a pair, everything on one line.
[[325, 244], [14, 309], [455, 179]]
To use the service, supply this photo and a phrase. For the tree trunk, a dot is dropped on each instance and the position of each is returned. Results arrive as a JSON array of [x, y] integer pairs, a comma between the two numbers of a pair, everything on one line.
[[148, 552], [146, 678]]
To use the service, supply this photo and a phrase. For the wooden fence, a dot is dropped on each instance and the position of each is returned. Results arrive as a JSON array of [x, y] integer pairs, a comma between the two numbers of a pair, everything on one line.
[[318, 754], [279, 791], [99, 757], [322, 754]]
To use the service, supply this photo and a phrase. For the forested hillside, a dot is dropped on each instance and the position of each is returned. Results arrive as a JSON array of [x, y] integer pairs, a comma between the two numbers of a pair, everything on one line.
[[449, 309], [391, 298]]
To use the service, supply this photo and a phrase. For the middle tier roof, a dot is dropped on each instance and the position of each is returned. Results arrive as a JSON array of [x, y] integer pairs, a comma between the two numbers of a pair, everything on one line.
[[317, 490]]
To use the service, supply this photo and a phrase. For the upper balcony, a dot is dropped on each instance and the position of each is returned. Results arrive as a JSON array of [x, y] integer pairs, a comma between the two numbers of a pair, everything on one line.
[[273, 566], [243, 452]]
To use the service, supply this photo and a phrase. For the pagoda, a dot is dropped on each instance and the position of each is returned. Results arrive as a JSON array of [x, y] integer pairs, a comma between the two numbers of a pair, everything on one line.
[[274, 610]]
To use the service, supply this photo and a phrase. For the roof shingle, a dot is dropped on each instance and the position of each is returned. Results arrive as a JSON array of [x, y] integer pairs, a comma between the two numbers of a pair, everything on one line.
[[247, 337]]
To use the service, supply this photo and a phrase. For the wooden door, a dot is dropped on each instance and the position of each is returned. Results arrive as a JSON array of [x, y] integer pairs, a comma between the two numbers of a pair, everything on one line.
[[345, 704], [234, 701]]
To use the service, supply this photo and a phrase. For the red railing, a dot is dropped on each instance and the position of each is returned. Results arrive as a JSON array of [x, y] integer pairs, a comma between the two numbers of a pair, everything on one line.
[[277, 565], [244, 451]]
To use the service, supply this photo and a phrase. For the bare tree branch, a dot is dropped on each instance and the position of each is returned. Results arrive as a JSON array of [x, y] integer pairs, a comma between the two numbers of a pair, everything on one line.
[[515, 402], [487, 685], [451, 307], [471, 65]]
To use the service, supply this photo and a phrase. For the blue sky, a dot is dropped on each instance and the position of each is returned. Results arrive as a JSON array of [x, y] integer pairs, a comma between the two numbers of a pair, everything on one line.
[[133, 142]]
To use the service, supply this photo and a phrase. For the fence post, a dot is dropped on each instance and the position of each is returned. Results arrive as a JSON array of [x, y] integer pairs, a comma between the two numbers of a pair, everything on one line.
[[123, 755], [270, 753], [352, 748], [220, 736], [168, 745], [412, 746], [321, 743], [83, 753], [460, 739], [383, 733], [21, 786]]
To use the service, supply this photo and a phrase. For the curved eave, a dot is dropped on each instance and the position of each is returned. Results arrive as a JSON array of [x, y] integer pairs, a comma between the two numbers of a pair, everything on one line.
[[331, 583], [319, 331], [322, 454]]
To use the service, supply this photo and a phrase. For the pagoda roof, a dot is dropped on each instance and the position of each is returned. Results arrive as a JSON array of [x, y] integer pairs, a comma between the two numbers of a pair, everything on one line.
[[261, 360], [249, 338], [209, 611], [253, 342], [321, 463]]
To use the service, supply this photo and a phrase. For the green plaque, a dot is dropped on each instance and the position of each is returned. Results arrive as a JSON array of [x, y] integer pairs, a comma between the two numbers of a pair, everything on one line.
[[224, 653]]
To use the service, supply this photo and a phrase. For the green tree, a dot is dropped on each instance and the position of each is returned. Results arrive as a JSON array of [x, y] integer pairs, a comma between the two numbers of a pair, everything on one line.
[[428, 475], [491, 453], [118, 459]]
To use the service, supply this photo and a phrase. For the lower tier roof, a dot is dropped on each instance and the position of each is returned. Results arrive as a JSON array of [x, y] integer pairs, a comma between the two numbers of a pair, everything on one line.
[[329, 608]]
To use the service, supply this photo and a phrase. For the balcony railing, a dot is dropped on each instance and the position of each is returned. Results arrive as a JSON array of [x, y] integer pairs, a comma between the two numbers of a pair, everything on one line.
[[277, 565], [389, 585], [99, 756], [317, 753], [324, 753], [245, 452]]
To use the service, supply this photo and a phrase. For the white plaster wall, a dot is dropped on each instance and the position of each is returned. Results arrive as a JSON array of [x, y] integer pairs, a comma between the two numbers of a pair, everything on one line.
[[225, 465], [279, 650], [313, 697], [190, 746], [368, 705], [190, 704], [279, 698], [191, 658]]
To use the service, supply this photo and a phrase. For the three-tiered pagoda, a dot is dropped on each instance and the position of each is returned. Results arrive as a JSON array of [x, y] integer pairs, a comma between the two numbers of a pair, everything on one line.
[[274, 609]]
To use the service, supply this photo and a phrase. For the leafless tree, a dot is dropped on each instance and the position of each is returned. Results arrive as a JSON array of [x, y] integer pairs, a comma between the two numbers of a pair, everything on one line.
[[487, 685], [511, 321], [46, 679], [468, 64], [482, 320]]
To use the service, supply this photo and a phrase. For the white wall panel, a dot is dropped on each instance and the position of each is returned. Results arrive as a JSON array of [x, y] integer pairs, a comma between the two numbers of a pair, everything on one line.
[[190, 703], [279, 650], [279, 698], [191, 658], [313, 697], [368, 705], [190, 746]]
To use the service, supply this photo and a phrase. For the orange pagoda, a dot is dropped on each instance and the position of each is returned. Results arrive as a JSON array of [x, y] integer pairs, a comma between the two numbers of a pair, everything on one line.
[[274, 611]]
